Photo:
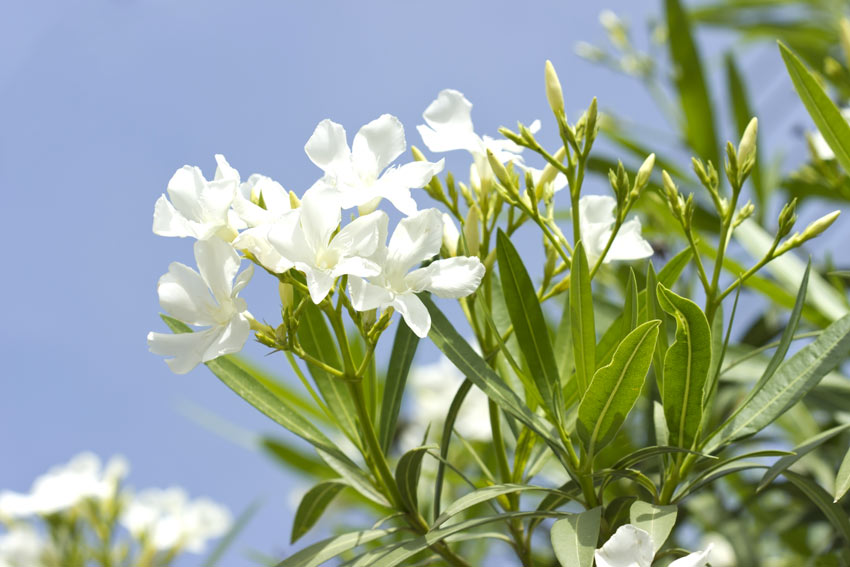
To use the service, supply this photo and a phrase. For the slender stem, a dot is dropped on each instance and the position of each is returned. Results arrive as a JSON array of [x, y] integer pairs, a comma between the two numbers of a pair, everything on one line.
[[294, 364], [312, 360]]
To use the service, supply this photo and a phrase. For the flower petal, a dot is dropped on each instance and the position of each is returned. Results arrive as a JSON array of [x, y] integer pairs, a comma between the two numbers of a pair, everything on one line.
[[449, 124], [186, 349], [168, 221], [416, 238], [365, 296], [361, 236], [184, 189], [320, 215], [260, 188], [257, 242], [395, 184], [629, 244], [228, 339], [319, 282], [377, 145], [218, 263], [628, 547], [224, 171], [183, 294], [327, 146], [696, 559], [414, 312], [451, 278]]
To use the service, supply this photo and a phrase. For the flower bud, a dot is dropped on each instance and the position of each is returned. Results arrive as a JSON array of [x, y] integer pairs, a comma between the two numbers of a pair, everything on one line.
[[286, 295], [787, 218], [590, 128], [820, 225], [470, 231], [450, 236], [743, 214], [499, 170], [747, 145], [549, 172], [294, 201], [644, 173], [554, 93]]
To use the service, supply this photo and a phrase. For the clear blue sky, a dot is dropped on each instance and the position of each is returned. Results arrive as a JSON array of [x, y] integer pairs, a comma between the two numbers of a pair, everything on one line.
[[101, 101]]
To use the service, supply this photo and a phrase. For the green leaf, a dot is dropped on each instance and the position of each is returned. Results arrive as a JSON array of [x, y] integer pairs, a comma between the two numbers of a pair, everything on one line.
[[404, 349], [581, 315], [800, 451], [842, 479], [657, 521], [630, 306], [690, 84], [685, 368], [313, 505], [662, 434], [530, 327], [316, 339], [574, 538], [407, 477], [615, 388], [487, 494], [295, 458], [742, 113], [791, 381], [825, 114], [318, 553], [653, 311], [836, 514], [227, 539], [564, 345], [445, 440], [250, 390]]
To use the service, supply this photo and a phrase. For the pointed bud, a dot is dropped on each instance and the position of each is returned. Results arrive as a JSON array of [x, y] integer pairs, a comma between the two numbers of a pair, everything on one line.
[[512, 136], [286, 295], [417, 153], [450, 236], [554, 94], [549, 172], [591, 126], [470, 231], [820, 225], [743, 214], [787, 218], [294, 201], [747, 145], [499, 170], [644, 173]]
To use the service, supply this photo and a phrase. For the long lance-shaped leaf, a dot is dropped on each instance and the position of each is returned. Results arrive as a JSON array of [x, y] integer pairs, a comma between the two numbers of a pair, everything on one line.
[[690, 83], [615, 388], [457, 350], [842, 479], [250, 390], [327, 549], [404, 349], [823, 111], [574, 538], [836, 514], [488, 493], [800, 451], [685, 368], [791, 381], [313, 505], [657, 521], [445, 440], [317, 341], [581, 316], [530, 327], [407, 477]]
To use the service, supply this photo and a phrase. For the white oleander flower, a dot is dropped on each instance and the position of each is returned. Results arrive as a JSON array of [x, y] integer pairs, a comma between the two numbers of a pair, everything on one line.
[[449, 127], [596, 214], [65, 486], [21, 546], [416, 239], [310, 245], [631, 546], [199, 208], [356, 172], [169, 520], [205, 299]]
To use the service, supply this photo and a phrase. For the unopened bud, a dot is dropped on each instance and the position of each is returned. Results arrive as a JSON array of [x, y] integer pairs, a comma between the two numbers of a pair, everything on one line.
[[644, 173], [286, 295], [512, 136], [591, 125], [787, 218], [417, 153], [820, 225], [294, 201], [554, 93], [499, 170], [549, 172], [743, 214], [450, 236], [747, 145], [470, 231]]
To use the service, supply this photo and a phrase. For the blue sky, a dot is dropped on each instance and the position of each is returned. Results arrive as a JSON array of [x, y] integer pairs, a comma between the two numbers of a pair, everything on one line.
[[101, 101]]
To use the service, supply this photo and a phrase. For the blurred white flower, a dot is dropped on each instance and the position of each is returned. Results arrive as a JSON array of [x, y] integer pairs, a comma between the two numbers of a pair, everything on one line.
[[722, 552], [416, 239], [631, 546], [431, 389], [199, 208], [821, 148], [356, 172], [21, 547], [449, 127], [206, 299], [451, 235], [310, 245], [65, 486], [168, 520], [596, 214]]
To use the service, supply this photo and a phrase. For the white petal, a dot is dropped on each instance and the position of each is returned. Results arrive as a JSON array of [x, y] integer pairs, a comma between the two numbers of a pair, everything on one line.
[[451, 278], [273, 195], [356, 266], [377, 145], [243, 279], [451, 235], [228, 339], [449, 124], [365, 296], [257, 242], [320, 215], [416, 238], [183, 294], [628, 547], [696, 559], [414, 312], [319, 282], [596, 214], [184, 189], [628, 244], [396, 183], [223, 171], [361, 236], [168, 221], [327, 147], [187, 349], [218, 263]]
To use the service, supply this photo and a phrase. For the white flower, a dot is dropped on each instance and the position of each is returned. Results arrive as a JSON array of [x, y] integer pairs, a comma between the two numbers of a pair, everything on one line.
[[206, 299], [449, 127], [199, 208], [310, 245], [169, 520], [631, 546], [558, 183], [356, 172], [21, 547], [596, 214], [415, 239], [65, 486], [821, 148], [432, 389]]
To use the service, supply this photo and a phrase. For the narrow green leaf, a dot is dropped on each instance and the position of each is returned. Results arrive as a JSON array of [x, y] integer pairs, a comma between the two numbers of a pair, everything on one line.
[[842, 479], [646, 453], [295, 459], [574, 538], [657, 521], [487, 494], [801, 450], [654, 311], [836, 514], [825, 114], [581, 316], [530, 327], [685, 368], [407, 477], [313, 505], [445, 440], [227, 539], [662, 434], [615, 388], [694, 101], [630, 306], [791, 381], [355, 478], [316, 554], [564, 344], [250, 390], [742, 113], [404, 349]]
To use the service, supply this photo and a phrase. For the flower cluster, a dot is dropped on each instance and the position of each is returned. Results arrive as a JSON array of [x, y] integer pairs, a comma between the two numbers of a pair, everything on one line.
[[82, 501]]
